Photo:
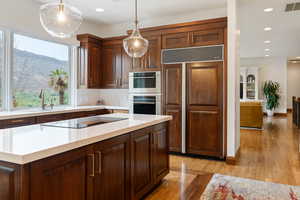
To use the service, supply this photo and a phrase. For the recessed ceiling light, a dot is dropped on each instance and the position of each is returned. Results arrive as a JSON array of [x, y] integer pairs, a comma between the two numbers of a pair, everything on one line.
[[268, 9], [267, 42], [267, 28], [267, 49], [267, 55], [99, 10]]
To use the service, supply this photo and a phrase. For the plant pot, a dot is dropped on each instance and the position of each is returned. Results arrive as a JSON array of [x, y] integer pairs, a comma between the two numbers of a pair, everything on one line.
[[270, 113]]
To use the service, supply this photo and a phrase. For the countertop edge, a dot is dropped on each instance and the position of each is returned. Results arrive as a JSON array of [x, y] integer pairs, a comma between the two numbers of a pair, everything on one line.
[[28, 158], [71, 110]]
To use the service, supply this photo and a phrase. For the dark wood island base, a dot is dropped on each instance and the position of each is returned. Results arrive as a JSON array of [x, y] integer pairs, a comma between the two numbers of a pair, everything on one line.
[[124, 167]]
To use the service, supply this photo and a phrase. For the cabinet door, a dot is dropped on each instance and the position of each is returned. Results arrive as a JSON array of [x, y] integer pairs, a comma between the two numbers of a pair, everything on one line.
[[112, 169], [141, 162], [173, 103], [151, 61], [205, 109], [175, 40], [126, 68], [112, 66], [207, 37], [94, 66], [160, 154], [67, 176]]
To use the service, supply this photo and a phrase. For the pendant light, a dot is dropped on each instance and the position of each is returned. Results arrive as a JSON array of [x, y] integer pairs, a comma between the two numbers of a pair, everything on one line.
[[60, 19], [135, 45]]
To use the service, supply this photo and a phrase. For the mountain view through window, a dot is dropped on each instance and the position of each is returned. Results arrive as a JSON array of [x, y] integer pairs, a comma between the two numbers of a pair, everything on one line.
[[37, 65]]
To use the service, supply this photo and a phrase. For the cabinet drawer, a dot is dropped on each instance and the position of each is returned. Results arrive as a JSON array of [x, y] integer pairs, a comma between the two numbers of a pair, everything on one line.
[[10, 123], [207, 37], [50, 118]]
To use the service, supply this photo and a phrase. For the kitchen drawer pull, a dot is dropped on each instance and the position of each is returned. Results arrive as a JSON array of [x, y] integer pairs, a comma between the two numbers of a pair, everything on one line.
[[99, 162], [93, 165], [17, 121]]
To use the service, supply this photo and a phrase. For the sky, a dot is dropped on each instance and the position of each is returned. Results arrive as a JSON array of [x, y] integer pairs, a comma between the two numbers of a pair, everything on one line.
[[41, 47]]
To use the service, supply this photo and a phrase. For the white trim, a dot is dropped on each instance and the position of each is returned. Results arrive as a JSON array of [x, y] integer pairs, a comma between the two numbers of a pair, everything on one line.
[[183, 108]]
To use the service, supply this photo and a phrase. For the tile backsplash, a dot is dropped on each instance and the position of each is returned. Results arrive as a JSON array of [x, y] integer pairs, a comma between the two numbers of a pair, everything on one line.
[[111, 97]]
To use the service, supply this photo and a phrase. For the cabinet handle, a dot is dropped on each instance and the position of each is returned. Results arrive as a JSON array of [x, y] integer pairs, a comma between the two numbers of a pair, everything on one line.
[[93, 165], [100, 161]]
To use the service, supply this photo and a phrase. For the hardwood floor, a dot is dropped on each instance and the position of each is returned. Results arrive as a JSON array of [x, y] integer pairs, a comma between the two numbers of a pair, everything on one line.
[[269, 155]]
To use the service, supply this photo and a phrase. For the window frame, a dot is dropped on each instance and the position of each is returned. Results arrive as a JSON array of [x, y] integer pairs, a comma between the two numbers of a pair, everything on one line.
[[7, 80], [2, 68]]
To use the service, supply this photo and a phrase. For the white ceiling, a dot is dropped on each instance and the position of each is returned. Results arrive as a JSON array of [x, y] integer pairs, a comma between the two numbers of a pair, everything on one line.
[[121, 11], [285, 34]]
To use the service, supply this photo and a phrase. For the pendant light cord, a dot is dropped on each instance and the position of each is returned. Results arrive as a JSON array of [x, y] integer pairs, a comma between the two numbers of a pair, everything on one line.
[[136, 18]]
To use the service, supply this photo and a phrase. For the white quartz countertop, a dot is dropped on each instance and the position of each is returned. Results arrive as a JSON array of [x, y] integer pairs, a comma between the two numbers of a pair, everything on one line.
[[56, 110], [30, 143]]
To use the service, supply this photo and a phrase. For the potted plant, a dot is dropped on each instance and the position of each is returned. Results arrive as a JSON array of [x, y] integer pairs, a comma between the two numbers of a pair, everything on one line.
[[271, 92], [59, 82]]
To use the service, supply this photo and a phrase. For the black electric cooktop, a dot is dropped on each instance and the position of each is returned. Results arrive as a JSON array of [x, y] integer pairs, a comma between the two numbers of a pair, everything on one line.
[[83, 122]]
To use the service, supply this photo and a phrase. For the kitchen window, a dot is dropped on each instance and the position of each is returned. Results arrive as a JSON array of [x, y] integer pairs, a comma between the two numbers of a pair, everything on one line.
[[29, 65], [37, 65]]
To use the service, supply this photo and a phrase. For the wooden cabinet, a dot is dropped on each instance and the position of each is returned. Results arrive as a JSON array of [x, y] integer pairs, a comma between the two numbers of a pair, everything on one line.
[[141, 163], [160, 154], [11, 123], [151, 61], [173, 103], [126, 68], [89, 55], [207, 37], [204, 108], [175, 40], [62, 177], [123, 167], [111, 66], [112, 169]]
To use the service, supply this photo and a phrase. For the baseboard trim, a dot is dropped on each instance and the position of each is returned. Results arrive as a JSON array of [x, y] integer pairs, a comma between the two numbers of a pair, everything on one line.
[[232, 160]]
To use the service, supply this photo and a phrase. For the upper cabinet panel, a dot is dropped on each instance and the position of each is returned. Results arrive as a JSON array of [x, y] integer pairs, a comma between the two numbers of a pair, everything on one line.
[[207, 37], [175, 40]]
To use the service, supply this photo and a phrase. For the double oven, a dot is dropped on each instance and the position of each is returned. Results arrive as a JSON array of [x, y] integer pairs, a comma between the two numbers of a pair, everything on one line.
[[145, 93]]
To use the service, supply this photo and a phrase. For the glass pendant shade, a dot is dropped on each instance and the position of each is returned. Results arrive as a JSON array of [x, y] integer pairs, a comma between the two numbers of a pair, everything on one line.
[[135, 45], [60, 19]]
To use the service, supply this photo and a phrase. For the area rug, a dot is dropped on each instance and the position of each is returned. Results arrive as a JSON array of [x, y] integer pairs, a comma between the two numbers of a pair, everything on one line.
[[223, 187]]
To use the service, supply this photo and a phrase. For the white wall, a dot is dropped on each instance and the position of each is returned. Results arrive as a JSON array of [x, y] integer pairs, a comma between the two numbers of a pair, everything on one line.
[[275, 69], [293, 80], [111, 97], [233, 95], [23, 16], [120, 29]]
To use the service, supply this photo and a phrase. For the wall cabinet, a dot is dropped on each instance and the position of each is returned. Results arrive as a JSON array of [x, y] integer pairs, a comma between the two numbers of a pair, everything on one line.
[[207, 37], [111, 66], [89, 61], [175, 40], [124, 167], [173, 103], [151, 61]]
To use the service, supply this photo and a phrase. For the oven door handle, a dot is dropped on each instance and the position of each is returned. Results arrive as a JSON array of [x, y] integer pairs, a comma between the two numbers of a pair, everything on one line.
[[145, 77], [152, 103]]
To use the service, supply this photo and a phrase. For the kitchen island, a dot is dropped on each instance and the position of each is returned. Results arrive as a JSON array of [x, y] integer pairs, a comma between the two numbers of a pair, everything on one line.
[[125, 159]]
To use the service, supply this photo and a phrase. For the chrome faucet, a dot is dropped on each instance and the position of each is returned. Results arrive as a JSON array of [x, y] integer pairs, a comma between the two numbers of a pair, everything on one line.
[[42, 97]]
